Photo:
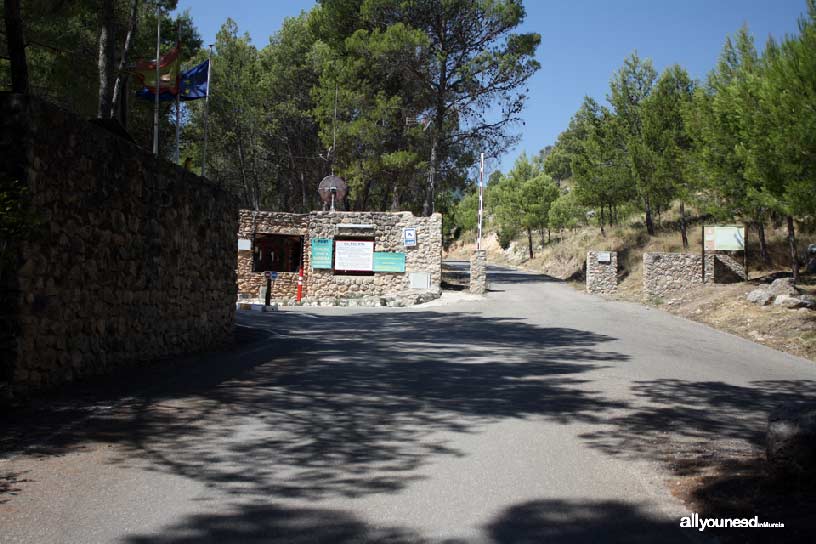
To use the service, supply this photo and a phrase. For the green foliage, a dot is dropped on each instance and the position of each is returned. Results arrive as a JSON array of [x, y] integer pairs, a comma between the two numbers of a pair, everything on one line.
[[521, 200], [785, 118], [566, 212], [466, 212]]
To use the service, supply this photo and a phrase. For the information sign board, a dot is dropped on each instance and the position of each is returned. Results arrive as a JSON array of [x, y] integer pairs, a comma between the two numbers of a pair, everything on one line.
[[386, 261], [354, 255], [725, 238], [321, 253]]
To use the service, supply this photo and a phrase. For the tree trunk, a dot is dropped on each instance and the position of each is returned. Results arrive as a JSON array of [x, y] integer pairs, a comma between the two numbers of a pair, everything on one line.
[[601, 221], [650, 228], [15, 43], [428, 206], [530, 241], [683, 229], [792, 247], [303, 196], [120, 72], [763, 245], [395, 199], [123, 102], [105, 59]]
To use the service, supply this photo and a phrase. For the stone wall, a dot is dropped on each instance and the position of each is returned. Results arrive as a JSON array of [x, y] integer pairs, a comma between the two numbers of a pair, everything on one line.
[[478, 272], [134, 259], [250, 222], [323, 285], [601, 277], [664, 273]]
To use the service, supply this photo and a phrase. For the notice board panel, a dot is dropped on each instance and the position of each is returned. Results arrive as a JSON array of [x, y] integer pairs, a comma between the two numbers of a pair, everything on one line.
[[321, 253], [388, 261], [354, 255], [730, 238]]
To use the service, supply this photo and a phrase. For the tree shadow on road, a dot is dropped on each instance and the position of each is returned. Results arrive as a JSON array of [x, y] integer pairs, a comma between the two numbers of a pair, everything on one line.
[[711, 435], [350, 405], [534, 522]]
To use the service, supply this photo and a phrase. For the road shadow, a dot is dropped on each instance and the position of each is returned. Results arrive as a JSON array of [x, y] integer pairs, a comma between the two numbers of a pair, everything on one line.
[[347, 405], [711, 436], [578, 522], [534, 522], [700, 417]]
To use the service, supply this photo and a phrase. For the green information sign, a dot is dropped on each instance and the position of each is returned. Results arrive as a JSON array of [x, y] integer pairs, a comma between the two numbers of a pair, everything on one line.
[[385, 261], [321, 253]]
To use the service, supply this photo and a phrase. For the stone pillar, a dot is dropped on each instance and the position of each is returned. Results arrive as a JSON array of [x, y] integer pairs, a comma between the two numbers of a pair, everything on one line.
[[602, 272], [478, 272]]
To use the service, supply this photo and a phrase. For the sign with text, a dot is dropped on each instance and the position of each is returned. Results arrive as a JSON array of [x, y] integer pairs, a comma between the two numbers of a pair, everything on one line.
[[729, 238], [354, 255], [409, 237], [386, 261], [604, 257], [321, 253]]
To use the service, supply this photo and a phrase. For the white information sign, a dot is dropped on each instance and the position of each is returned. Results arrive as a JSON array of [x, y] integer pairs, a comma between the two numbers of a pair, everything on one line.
[[353, 255], [604, 257], [244, 244], [725, 238], [409, 237]]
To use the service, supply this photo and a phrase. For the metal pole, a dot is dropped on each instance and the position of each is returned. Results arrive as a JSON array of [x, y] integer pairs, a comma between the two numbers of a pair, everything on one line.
[[156, 89], [178, 94], [481, 200], [745, 250], [703, 253], [206, 116]]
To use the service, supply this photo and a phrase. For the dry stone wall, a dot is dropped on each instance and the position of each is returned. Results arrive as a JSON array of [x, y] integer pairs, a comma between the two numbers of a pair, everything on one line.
[[134, 258], [664, 273], [252, 284], [602, 277], [426, 256], [323, 285], [478, 272]]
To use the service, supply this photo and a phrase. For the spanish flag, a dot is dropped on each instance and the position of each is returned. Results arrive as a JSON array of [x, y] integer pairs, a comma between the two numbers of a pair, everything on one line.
[[145, 72]]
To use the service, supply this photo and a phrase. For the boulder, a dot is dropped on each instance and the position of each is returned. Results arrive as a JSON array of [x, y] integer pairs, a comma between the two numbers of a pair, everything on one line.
[[809, 301], [782, 286], [760, 296], [791, 442], [787, 301]]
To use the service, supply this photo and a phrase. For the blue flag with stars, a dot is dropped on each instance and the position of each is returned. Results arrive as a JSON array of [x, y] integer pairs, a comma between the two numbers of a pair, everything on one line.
[[194, 82], [193, 85]]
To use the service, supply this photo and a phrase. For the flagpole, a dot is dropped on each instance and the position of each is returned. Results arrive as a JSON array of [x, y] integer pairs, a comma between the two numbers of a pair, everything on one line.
[[206, 115], [481, 199], [156, 89], [178, 91]]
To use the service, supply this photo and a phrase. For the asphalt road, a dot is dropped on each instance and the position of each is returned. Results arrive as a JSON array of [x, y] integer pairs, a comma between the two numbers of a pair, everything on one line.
[[536, 414]]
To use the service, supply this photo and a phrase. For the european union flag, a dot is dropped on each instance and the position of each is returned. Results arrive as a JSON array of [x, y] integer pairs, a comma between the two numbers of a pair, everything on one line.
[[193, 85], [194, 82]]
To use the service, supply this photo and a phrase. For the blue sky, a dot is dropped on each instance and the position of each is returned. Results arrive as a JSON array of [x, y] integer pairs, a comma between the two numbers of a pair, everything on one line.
[[582, 43]]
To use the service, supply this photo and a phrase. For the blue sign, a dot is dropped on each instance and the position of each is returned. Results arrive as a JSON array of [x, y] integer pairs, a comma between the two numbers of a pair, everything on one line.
[[322, 249], [385, 261], [409, 237]]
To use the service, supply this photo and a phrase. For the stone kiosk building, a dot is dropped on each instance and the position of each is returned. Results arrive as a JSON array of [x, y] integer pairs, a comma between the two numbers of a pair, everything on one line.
[[370, 258]]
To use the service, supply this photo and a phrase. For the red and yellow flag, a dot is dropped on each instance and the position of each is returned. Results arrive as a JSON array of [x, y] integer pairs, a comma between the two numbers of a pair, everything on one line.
[[169, 64]]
